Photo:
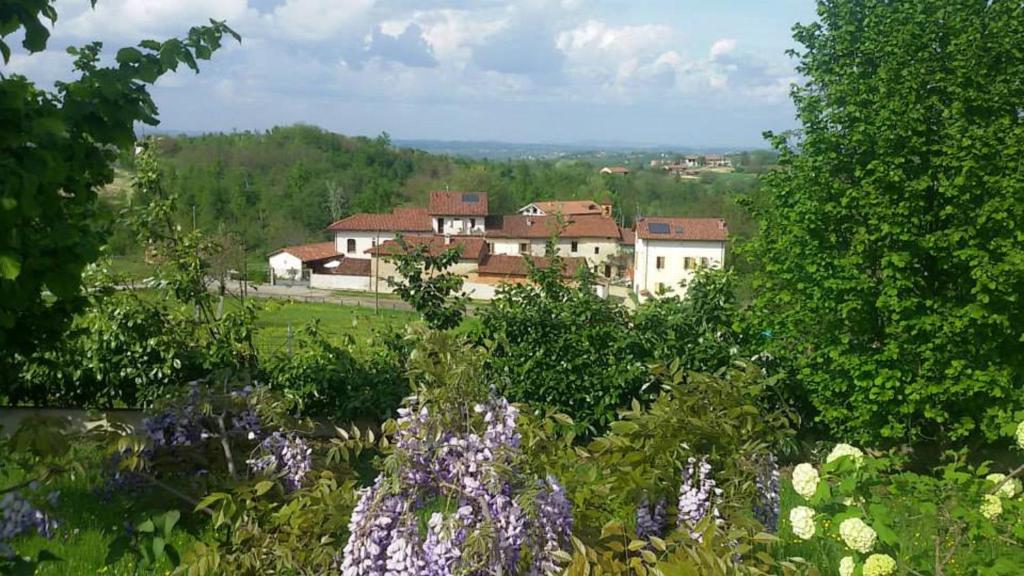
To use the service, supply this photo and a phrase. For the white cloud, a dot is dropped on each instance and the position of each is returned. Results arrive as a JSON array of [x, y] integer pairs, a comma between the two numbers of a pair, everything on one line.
[[137, 19], [722, 47], [316, 20]]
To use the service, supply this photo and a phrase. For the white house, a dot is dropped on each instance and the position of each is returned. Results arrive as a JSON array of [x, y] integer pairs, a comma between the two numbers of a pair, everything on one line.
[[458, 213], [591, 237], [669, 251], [354, 235], [289, 263]]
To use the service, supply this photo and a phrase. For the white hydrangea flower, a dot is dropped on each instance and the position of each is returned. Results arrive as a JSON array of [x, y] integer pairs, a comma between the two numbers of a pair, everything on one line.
[[879, 565], [802, 520], [846, 566], [991, 506], [805, 480], [1020, 434], [857, 535], [845, 450], [1008, 490]]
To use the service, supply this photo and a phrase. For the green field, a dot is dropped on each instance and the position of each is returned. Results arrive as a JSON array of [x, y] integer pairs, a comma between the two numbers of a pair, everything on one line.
[[276, 318]]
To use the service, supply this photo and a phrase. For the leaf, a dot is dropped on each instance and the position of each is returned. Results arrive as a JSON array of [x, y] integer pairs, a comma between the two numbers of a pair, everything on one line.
[[158, 547], [146, 526], [263, 487], [10, 267], [170, 519]]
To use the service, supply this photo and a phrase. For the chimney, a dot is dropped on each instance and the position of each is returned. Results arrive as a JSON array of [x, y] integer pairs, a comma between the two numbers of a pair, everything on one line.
[[606, 209]]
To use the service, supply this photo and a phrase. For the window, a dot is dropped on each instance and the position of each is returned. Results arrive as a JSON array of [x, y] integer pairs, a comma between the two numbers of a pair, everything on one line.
[[704, 262], [472, 222], [661, 287], [440, 224], [350, 245], [688, 263], [607, 271], [575, 246], [659, 262], [597, 249], [524, 248]]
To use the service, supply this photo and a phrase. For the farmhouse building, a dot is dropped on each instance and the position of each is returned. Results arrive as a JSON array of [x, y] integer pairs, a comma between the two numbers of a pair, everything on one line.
[[656, 257], [669, 251]]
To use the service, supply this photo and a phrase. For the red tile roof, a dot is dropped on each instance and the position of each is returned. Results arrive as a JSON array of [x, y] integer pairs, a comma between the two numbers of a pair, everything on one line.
[[401, 220], [458, 203], [350, 267], [505, 265], [472, 248], [588, 226], [310, 252], [683, 229], [569, 207], [628, 236]]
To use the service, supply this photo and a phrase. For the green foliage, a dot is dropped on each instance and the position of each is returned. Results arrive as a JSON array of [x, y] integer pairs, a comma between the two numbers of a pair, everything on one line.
[[427, 284], [700, 332], [56, 150], [346, 383], [890, 237], [560, 347], [149, 541]]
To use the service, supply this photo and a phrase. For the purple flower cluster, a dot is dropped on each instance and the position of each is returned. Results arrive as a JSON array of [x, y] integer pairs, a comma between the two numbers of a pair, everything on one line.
[[472, 476], [18, 517], [769, 501], [650, 521], [289, 456], [697, 496]]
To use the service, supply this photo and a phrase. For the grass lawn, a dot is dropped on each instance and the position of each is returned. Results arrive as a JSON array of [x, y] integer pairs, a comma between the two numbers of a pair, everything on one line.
[[275, 317]]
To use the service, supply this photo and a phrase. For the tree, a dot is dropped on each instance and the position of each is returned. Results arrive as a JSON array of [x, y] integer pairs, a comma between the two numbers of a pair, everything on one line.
[[428, 285], [56, 149], [891, 239]]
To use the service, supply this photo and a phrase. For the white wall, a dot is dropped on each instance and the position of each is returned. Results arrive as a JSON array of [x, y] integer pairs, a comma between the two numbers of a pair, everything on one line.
[[459, 225], [364, 241], [647, 276], [285, 266], [584, 248], [339, 282]]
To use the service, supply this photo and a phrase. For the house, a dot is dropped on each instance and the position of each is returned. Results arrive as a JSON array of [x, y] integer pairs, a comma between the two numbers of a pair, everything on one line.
[[693, 161], [293, 262], [717, 161], [593, 237], [458, 212], [566, 208], [618, 170], [656, 257], [670, 250]]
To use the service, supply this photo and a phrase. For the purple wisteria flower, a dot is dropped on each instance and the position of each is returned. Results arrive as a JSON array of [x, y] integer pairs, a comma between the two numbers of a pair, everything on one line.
[[650, 520], [289, 456], [697, 496], [19, 517], [472, 477], [769, 501]]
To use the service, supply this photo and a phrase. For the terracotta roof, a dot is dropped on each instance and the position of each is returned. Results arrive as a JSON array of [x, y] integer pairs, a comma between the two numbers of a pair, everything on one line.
[[505, 265], [682, 229], [350, 267], [401, 220], [628, 236], [472, 248], [310, 252], [458, 203], [589, 226], [569, 207]]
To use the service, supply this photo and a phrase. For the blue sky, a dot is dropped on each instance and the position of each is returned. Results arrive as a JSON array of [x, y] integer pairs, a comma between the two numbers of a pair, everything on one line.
[[684, 73]]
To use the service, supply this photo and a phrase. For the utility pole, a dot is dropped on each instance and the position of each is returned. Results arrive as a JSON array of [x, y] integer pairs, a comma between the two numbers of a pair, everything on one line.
[[376, 276]]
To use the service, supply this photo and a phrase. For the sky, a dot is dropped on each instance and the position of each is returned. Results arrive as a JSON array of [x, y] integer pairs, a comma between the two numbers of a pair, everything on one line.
[[690, 73]]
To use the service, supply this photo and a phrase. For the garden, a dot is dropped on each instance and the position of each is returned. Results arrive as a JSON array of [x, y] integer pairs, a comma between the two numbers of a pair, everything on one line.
[[861, 415]]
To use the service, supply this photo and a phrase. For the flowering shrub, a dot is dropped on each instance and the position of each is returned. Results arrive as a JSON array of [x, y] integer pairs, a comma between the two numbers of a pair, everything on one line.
[[483, 515]]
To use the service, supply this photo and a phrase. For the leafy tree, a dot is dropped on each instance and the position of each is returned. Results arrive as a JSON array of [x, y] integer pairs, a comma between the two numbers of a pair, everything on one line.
[[56, 149], [428, 285], [559, 346], [891, 239]]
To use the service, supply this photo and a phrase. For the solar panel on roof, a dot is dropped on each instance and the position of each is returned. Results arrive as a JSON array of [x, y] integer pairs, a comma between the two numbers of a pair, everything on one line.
[[658, 228], [470, 198]]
